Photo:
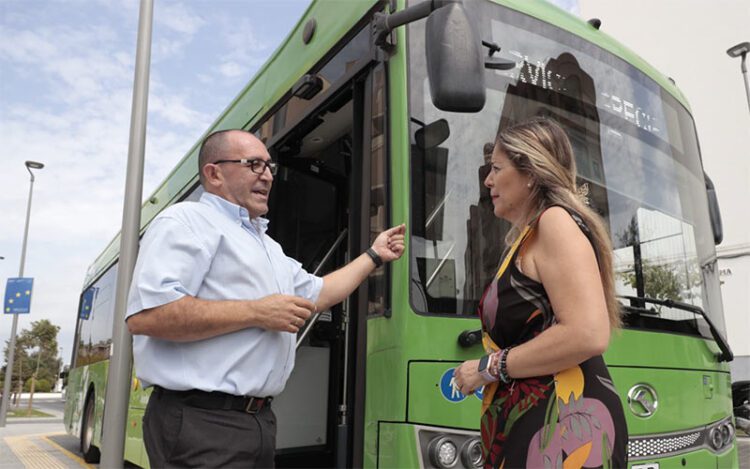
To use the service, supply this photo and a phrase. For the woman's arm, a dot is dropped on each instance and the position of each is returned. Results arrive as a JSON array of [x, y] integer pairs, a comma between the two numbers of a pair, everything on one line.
[[565, 263]]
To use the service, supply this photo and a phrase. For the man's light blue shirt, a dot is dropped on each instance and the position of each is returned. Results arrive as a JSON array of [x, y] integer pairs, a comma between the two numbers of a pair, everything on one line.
[[212, 250]]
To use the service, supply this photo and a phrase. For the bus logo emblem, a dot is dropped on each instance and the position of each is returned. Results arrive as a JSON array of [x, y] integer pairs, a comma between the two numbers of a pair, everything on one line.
[[642, 400]]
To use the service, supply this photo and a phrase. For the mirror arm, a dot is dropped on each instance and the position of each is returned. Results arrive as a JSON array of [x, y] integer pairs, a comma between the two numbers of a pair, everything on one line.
[[384, 23]]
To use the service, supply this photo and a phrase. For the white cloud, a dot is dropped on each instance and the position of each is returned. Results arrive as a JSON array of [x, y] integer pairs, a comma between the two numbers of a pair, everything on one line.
[[177, 17], [232, 69]]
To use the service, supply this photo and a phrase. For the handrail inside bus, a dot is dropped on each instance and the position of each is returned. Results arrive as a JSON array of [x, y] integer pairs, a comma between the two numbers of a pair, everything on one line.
[[434, 213], [325, 259], [440, 266]]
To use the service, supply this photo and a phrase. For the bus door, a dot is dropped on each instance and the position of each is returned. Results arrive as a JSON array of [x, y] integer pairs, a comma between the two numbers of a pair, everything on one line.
[[315, 214]]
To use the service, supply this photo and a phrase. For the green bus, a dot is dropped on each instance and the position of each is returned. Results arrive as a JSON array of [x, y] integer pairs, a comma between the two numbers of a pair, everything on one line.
[[375, 125]]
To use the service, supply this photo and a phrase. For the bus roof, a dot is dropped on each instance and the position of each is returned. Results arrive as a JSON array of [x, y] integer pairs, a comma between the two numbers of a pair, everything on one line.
[[293, 59]]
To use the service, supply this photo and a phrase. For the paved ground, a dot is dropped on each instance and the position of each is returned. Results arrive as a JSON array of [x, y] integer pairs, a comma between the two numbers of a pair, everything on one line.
[[41, 443], [744, 445]]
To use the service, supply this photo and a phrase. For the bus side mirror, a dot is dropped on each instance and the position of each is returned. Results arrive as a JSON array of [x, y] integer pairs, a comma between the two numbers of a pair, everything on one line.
[[713, 211], [432, 134], [455, 65]]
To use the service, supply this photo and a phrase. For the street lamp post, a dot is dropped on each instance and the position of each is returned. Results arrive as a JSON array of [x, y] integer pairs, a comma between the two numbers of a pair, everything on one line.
[[12, 345], [741, 50]]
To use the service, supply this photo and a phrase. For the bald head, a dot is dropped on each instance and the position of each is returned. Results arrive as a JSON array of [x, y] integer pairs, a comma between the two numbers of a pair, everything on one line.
[[218, 145]]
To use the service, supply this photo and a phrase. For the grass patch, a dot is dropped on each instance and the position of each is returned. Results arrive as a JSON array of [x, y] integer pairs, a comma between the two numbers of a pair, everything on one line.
[[24, 412]]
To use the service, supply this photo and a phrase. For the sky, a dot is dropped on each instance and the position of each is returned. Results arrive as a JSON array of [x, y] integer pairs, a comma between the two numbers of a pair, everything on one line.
[[66, 83]]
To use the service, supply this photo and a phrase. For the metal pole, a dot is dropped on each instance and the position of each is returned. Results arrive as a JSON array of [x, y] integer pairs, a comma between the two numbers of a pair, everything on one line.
[[14, 327], [743, 66], [119, 376]]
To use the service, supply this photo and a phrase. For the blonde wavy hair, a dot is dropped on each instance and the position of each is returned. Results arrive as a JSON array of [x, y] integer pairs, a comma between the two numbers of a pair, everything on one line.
[[540, 148]]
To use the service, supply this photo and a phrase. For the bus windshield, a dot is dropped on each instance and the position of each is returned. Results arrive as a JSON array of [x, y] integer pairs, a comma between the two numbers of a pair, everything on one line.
[[636, 152]]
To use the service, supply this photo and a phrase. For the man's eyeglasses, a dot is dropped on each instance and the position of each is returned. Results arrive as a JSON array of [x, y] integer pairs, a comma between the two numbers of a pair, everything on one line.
[[256, 165]]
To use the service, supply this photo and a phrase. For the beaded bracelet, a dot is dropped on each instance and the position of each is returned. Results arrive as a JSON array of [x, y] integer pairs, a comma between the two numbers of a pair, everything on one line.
[[503, 369], [495, 364]]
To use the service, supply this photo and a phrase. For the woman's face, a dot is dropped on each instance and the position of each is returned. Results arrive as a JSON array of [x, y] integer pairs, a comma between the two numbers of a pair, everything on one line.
[[510, 189]]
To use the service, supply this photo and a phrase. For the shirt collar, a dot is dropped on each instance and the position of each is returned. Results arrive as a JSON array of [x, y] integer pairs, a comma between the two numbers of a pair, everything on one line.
[[234, 211]]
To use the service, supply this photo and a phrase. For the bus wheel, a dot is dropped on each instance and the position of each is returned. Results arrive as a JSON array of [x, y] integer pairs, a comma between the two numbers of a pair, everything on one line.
[[89, 451]]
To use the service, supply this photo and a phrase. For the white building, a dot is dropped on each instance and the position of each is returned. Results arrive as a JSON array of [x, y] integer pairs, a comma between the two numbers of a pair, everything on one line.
[[687, 40]]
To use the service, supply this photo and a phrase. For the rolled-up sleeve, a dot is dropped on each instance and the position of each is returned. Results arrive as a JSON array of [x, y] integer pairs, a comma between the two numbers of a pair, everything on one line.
[[172, 263], [306, 284]]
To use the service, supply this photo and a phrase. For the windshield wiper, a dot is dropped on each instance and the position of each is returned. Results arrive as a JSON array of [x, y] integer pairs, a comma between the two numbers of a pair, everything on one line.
[[726, 354]]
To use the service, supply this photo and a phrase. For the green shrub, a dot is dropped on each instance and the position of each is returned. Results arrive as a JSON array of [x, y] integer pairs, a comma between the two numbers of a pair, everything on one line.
[[42, 385]]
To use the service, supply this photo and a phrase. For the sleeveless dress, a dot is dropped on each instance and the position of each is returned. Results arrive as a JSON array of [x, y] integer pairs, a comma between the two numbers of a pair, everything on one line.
[[573, 418]]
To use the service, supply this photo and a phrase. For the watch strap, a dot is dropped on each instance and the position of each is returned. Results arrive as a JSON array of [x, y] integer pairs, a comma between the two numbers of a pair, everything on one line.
[[484, 369], [375, 257]]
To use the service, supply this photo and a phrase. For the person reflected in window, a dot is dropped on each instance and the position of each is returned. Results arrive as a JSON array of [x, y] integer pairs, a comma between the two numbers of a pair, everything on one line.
[[547, 316]]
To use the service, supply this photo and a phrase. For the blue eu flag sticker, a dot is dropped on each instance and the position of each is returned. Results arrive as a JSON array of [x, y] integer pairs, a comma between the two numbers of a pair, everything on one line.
[[87, 302], [18, 295]]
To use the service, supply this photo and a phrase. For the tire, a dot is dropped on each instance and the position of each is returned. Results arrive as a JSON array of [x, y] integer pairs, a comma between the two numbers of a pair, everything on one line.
[[89, 451]]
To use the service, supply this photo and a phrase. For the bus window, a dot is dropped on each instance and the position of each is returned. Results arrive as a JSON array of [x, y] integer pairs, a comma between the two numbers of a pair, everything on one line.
[[95, 320], [636, 153]]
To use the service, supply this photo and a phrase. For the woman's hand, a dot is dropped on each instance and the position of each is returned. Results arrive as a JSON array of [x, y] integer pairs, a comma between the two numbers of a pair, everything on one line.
[[467, 378]]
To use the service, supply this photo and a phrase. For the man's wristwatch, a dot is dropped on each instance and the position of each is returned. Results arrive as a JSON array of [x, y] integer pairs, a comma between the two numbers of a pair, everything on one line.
[[375, 257], [484, 368]]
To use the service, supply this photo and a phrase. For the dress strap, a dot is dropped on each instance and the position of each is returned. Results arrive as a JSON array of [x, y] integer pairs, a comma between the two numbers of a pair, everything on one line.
[[513, 248]]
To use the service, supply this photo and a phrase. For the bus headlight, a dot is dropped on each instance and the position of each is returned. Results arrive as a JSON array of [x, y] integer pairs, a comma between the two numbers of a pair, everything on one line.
[[715, 439], [727, 432], [443, 452], [720, 436], [471, 453]]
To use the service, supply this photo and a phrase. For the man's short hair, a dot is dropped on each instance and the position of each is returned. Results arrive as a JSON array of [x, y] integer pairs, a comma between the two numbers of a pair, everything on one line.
[[212, 149]]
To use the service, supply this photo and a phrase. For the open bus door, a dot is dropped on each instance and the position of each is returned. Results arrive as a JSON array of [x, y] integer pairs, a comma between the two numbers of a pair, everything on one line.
[[316, 214]]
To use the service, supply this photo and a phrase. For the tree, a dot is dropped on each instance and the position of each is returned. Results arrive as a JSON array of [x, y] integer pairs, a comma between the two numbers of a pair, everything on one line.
[[661, 281], [41, 343], [36, 355], [21, 369]]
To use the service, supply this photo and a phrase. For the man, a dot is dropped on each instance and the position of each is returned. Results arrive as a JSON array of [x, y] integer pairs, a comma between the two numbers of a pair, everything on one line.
[[215, 306]]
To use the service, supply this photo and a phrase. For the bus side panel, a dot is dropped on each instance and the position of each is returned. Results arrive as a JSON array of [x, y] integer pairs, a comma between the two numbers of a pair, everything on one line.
[[82, 381], [397, 446], [386, 395], [433, 401], [74, 399], [98, 378], [135, 451]]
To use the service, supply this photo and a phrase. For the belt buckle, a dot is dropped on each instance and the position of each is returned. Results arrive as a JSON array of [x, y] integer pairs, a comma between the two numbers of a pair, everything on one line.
[[253, 400]]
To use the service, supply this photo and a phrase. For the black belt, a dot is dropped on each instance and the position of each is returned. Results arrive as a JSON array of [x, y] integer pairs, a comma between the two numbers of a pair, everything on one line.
[[216, 400]]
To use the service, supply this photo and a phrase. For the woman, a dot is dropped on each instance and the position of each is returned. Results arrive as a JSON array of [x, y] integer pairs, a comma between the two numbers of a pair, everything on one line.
[[547, 316]]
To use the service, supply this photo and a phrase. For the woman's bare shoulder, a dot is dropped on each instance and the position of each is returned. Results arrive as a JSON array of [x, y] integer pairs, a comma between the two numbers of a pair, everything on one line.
[[557, 230]]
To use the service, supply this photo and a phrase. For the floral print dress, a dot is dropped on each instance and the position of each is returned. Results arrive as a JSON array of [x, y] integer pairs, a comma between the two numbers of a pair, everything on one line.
[[570, 419]]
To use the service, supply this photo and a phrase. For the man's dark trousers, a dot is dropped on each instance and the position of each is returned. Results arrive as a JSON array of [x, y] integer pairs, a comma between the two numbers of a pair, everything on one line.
[[179, 434]]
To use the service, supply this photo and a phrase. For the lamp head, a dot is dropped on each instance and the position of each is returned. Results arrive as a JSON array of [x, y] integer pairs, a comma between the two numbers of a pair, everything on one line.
[[739, 50], [34, 165]]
